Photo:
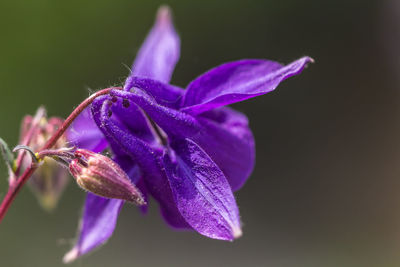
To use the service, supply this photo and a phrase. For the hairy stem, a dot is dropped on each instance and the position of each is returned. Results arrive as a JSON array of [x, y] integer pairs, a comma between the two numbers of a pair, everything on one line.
[[51, 142], [16, 186]]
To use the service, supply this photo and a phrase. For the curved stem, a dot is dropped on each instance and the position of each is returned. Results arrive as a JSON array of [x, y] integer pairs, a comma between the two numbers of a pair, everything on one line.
[[51, 142], [16, 186]]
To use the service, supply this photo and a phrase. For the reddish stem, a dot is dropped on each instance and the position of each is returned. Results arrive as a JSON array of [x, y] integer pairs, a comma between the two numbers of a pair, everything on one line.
[[14, 189], [16, 186], [52, 141]]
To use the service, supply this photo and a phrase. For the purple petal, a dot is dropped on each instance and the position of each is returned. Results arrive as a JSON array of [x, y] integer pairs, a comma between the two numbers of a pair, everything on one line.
[[172, 121], [201, 192], [160, 51], [237, 81], [149, 160], [228, 140], [229, 119], [223, 133], [97, 225], [139, 125], [84, 133], [164, 94], [133, 118]]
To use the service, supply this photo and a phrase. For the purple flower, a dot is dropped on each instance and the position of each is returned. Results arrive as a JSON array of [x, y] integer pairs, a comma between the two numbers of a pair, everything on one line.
[[182, 147]]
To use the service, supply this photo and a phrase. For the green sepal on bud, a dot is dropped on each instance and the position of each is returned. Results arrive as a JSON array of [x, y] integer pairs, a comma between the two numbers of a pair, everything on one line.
[[102, 176]]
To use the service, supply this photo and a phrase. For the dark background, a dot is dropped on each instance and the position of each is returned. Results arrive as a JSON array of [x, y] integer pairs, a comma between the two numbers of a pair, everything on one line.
[[325, 190]]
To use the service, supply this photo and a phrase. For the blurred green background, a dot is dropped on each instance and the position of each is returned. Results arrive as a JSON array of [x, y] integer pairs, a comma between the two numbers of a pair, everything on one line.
[[325, 190]]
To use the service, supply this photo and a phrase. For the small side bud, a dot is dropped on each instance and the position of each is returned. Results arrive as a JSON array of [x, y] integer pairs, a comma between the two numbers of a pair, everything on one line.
[[102, 176], [50, 180]]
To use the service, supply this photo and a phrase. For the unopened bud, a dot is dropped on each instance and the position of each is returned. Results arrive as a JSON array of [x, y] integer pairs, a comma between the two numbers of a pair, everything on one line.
[[102, 176]]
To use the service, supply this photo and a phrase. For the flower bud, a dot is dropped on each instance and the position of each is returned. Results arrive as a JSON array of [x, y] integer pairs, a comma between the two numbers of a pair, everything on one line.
[[49, 181], [102, 176]]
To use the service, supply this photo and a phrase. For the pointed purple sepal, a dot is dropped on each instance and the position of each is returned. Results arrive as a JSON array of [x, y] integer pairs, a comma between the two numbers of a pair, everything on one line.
[[201, 192], [160, 51], [237, 81], [97, 225]]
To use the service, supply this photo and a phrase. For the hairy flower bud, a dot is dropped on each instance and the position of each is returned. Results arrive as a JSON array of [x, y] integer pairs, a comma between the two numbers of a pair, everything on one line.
[[100, 175]]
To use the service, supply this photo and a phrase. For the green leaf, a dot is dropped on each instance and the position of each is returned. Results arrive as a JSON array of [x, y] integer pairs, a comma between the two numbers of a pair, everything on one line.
[[8, 156]]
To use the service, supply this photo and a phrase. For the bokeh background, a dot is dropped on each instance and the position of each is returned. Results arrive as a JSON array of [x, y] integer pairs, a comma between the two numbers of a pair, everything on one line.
[[325, 189]]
